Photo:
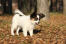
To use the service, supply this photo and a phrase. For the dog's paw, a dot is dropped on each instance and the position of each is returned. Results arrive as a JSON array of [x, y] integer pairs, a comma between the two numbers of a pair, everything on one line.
[[25, 35], [12, 34], [31, 35], [17, 34]]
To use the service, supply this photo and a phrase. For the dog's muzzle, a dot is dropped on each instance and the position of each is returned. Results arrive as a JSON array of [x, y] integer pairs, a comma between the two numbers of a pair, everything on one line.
[[37, 23]]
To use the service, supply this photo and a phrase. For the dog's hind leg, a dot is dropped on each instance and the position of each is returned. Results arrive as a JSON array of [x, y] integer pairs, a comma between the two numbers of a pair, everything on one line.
[[17, 32], [13, 27]]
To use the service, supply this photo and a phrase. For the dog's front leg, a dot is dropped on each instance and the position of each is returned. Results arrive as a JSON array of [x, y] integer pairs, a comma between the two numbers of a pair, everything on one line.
[[31, 32], [25, 32]]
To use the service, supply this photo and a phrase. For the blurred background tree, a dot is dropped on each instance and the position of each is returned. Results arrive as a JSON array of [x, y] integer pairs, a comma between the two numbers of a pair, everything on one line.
[[27, 6], [64, 8], [43, 7]]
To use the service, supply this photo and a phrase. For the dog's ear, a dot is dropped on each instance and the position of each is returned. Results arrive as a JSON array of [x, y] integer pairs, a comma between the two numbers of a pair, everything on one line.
[[33, 15], [41, 15]]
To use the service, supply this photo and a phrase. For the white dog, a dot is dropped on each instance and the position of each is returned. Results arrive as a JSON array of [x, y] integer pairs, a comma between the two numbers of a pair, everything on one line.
[[26, 22]]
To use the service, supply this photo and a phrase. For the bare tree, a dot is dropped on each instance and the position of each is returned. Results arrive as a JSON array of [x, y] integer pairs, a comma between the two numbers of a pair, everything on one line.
[[64, 6], [14, 4], [43, 7]]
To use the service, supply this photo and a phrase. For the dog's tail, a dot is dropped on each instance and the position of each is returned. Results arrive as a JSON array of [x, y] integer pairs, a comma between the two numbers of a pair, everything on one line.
[[17, 11]]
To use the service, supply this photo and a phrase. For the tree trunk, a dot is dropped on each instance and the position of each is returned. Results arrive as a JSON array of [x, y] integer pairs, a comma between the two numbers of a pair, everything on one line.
[[10, 6], [14, 5], [4, 5], [43, 7], [64, 6]]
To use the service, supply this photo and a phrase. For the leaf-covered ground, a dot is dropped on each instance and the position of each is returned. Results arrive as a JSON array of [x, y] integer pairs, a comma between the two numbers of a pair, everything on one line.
[[51, 32]]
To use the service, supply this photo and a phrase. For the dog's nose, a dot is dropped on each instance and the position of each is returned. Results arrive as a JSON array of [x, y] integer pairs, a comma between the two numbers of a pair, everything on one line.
[[38, 22]]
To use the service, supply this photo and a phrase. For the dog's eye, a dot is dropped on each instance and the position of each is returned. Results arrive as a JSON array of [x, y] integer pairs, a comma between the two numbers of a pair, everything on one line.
[[36, 18]]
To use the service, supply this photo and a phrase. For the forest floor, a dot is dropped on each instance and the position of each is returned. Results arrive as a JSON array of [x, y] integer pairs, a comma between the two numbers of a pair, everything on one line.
[[51, 32]]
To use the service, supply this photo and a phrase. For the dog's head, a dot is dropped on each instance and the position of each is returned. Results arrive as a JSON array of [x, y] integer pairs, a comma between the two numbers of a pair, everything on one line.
[[35, 18]]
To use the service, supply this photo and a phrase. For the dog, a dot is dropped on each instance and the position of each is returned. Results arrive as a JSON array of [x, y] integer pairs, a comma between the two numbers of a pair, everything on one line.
[[26, 22]]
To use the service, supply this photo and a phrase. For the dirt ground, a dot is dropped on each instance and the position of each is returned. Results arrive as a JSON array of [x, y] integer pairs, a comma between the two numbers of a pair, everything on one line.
[[51, 32]]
